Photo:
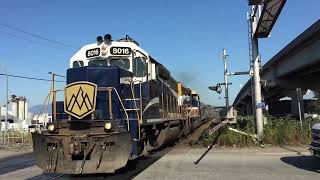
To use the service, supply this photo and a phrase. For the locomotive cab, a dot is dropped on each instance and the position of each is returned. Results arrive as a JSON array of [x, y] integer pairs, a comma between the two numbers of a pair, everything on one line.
[[124, 53]]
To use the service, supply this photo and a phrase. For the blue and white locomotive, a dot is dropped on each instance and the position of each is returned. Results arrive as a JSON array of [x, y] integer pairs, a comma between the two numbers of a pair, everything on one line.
[[119, 103]]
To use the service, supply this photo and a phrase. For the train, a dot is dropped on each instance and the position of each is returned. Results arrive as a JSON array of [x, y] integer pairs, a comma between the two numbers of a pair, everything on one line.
[[119, 103]]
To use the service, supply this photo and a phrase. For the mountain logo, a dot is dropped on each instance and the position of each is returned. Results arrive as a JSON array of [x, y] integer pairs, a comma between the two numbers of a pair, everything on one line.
[[80, 98]]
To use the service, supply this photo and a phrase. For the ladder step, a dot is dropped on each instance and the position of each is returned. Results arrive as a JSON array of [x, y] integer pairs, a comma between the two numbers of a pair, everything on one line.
[[132, 109], [136, 99]]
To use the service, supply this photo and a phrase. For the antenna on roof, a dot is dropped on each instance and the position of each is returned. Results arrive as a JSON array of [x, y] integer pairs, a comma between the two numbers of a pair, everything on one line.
[[129, 39]]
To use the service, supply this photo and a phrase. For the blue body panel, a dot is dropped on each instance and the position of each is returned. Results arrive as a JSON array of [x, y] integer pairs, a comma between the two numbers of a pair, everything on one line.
[[110, 77], [103, 77]]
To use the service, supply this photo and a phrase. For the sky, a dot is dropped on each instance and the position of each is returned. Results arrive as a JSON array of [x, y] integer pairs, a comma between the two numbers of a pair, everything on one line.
[[186, 36]]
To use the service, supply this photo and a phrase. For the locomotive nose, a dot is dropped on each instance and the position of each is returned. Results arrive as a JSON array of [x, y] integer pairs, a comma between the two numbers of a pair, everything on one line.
[[104, 77]]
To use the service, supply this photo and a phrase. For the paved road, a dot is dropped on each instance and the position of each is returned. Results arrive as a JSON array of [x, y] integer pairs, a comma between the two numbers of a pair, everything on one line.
[[255, 163], [219, 163]]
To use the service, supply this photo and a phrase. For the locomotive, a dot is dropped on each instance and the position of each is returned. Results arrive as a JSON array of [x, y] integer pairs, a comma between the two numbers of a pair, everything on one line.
[[119, 104]]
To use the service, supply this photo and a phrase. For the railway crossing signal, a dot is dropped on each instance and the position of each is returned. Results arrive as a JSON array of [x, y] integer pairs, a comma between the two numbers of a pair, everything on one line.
[[216, 88], [226, 84]]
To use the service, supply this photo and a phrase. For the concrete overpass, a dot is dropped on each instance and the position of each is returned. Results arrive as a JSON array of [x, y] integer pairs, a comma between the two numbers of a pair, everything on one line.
[[296, 66]]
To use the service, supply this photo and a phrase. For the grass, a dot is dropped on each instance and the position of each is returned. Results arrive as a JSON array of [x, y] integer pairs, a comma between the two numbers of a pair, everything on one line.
[[277, 131]]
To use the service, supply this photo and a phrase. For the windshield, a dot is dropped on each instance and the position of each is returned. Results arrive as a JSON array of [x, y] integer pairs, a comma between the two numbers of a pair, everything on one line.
[[77, 64], [97, 63], [122, 63]]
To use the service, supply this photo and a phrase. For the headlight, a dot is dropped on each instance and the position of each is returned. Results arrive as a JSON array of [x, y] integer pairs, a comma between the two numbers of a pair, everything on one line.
[[107, 126], [51, 127]]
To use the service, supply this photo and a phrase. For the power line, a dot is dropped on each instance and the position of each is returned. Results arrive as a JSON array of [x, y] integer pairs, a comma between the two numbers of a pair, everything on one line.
[[26, 39], [36, 35], [26, 77]]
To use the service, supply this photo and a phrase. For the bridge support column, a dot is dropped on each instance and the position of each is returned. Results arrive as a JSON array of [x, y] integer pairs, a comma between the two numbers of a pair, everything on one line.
[[297, 104]]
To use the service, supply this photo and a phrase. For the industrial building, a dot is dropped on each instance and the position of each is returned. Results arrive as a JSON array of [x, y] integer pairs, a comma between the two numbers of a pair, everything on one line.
[[19, 116]]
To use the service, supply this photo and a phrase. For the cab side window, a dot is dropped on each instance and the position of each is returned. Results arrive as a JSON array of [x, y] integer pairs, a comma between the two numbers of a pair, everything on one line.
[[139, 67]]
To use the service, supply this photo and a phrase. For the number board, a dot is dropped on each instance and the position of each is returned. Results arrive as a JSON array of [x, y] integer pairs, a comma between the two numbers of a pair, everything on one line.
[[92, 52], [120, 50]]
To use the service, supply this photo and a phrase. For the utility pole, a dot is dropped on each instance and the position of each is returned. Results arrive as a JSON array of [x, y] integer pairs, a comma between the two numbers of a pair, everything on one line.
[[262, 17], [6, 104], [226, 92], [54, 105], [54, 97], [256, 77], [226, 84]]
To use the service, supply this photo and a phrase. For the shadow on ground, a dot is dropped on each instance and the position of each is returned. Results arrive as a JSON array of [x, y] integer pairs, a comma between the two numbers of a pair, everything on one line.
[[308, 163]]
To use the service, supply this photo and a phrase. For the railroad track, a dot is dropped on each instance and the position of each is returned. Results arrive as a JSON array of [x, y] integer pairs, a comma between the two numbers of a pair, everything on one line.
[[132, 169], [17, 162]]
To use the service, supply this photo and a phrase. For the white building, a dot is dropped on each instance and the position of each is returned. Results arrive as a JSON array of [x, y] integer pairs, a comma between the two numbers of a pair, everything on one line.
[[20, 107], [42, 119]]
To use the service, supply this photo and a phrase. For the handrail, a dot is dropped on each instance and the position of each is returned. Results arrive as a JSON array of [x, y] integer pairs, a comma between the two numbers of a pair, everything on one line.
[[134, 99], [106, 88], [46, 104], [140, 102], [43, 105], [99, 89], [135, 104], [110, 102], [191, 110]]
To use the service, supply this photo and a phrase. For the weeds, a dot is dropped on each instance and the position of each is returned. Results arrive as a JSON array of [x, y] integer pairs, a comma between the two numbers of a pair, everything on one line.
[[277, 131]]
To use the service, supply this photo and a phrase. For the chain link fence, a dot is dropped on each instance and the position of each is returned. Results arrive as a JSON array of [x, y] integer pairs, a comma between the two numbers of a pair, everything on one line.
[[15, 137]]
